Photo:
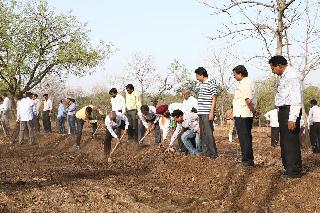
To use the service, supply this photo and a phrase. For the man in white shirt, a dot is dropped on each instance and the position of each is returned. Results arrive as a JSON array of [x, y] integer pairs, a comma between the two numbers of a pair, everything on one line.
[[47, 111], [6, 107], [189, 103], [272, 116], [244, 103], [26, 110], [148, 120], [314, 123], [115, 122], [289, 103], [36, 117], [188, 124], [118, 103]]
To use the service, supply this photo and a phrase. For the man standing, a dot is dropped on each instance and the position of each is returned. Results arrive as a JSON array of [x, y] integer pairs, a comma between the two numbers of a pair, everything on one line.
[[36, 117], [314, 123], [61, 117], [189, 103], [6, 107], [117, 101], [47, 111], [26, 110], [133, 104], [272, 116], [244, 102], [71, 116], [288, 101], [206, 106], [230, 123]]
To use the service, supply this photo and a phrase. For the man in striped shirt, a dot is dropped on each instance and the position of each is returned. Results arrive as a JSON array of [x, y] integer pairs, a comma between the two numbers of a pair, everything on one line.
[[206, 106]]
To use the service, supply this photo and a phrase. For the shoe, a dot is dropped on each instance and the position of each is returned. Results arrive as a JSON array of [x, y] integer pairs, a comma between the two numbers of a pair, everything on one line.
[[248, 163], [77, 147]]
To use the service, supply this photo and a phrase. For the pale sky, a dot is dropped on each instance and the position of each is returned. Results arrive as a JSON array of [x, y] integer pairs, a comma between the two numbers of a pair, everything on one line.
[[166, 29]]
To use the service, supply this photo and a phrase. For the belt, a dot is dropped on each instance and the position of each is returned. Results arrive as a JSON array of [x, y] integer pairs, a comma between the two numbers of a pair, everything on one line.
[[230, 119], [284, 107]]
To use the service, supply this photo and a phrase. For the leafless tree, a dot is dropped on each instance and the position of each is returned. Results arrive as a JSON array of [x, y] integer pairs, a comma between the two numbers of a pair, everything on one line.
[[141, 69], [221, 63], [290, 27]]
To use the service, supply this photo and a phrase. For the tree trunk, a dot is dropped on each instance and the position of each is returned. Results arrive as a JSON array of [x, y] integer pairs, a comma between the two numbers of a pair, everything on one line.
[[306, 141]]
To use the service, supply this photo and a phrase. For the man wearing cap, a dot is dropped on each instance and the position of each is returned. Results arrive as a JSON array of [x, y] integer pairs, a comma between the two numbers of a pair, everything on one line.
[[133, 104]]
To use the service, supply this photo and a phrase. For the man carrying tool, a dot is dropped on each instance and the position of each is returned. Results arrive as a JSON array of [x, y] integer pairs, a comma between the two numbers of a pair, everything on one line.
[[86, 114], [115, 122], [149, 121]]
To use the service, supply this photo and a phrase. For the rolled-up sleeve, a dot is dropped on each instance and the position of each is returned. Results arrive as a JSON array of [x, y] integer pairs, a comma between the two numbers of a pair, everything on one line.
[[108, 124]]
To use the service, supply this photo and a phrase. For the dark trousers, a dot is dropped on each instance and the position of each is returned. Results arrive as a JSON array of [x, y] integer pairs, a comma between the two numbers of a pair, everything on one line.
[[72, 124], [108, 138], [141, 130], [290, 143], [36, 123], [315, 137], [157, 134], [275, 133], [244, 127], [206, 134], [133, 124], [61, 122], [46, 121], [80, 124]]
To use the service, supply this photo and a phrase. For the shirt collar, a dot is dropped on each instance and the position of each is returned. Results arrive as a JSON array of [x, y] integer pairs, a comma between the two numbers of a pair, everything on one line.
[[285, 72]]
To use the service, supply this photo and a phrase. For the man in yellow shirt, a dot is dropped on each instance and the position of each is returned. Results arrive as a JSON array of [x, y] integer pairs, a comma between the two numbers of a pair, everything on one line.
[[133, 104], [86, 114]]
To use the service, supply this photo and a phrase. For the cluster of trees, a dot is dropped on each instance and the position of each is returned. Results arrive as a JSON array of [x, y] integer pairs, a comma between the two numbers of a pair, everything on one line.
[[40, 48], [36, 42]]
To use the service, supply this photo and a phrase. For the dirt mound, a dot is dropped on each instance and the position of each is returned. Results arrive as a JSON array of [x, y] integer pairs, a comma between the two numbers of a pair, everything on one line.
[[53, 176]]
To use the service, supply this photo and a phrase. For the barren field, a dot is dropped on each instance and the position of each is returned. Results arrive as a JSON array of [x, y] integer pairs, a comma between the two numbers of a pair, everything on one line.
[[52, 176]]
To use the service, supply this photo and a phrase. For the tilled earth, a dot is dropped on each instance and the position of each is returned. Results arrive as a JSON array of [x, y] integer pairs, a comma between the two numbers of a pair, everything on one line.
[[52, 176]]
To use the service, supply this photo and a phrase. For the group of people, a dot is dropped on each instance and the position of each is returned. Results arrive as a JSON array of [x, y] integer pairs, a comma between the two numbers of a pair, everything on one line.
[[191, 120]]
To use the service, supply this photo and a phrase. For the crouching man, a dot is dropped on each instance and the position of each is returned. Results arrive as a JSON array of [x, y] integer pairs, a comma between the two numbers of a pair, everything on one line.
[[88, 114], [115, 122], [189, 124]]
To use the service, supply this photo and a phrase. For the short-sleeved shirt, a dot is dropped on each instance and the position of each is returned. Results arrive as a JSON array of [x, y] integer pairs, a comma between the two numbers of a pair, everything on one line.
[[245, 90], [208, 89]]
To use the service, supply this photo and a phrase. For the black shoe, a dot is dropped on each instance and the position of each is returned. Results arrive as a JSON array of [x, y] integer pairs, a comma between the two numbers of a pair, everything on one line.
[[248, 163]]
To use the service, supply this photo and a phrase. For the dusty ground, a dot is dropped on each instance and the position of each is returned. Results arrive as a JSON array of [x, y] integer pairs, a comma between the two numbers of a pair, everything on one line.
[[52, 176]]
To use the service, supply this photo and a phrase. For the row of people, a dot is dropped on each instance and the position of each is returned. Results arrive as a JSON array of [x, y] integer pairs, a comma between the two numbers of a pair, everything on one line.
[[288, 101]]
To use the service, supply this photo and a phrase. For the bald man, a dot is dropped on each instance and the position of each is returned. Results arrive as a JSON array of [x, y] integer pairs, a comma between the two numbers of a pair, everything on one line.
[[115, 122], [190, 103]]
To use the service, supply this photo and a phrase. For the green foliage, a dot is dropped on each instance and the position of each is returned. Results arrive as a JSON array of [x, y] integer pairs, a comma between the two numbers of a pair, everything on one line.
[[310, 93], [265, 92], [35, 42], [100, 100]]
